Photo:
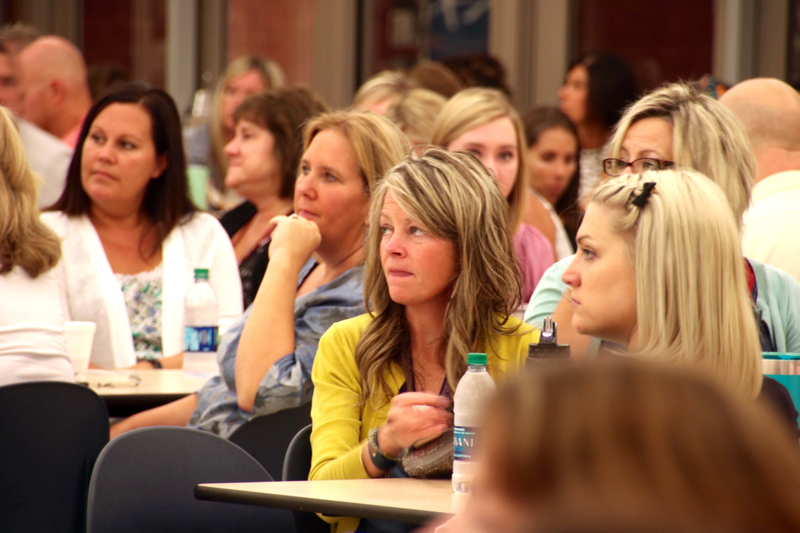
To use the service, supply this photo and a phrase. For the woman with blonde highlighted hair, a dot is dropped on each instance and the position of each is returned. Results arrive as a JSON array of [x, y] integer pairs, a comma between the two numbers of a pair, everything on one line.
[[679, 125], [440, 282], [381, 91], [32, 342], [314, 278], [484, 122], [205, 143], [662, 251]]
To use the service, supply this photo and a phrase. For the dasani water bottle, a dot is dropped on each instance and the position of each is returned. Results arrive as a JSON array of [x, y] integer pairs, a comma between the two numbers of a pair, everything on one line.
[[472, 393], [201, 332]]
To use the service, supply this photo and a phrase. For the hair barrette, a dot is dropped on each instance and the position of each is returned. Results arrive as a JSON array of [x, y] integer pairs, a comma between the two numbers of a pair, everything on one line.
[[647, 188]]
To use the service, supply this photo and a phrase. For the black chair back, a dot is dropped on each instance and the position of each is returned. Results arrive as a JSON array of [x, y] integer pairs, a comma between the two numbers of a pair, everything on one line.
[[52, 433], [144, 480], [295, 468], [267, 437]]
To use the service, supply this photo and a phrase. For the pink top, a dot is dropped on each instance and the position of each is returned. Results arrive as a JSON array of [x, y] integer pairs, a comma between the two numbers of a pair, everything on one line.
[[535, 255]]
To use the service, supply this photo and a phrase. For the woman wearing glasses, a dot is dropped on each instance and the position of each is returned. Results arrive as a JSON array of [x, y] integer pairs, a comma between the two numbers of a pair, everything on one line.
[[678, 125]]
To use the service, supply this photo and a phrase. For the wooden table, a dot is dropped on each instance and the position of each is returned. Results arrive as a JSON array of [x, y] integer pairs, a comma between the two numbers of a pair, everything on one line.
[[415, 501], [124, 397]]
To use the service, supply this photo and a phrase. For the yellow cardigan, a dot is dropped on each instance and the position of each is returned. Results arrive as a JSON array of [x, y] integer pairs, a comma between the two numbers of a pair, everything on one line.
[[342, 422]]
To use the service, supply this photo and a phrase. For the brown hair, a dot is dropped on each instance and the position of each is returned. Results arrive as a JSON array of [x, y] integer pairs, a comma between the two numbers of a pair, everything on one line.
[[284, 112], [629, 439], [539, 120]]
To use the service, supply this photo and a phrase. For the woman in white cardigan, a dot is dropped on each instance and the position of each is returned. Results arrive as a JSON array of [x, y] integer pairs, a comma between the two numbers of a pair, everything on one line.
[[132, 237]]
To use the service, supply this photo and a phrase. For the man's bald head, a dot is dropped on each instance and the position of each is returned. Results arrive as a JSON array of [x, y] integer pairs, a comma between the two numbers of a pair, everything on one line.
[[770, 111], [53, 76]]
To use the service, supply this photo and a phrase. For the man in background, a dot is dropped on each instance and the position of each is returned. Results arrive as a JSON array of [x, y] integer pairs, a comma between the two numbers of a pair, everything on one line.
[[770, 111], [54, 79]]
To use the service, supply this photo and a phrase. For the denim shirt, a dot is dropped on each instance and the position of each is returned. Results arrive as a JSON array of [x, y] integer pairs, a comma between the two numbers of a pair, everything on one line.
[[287, 383]]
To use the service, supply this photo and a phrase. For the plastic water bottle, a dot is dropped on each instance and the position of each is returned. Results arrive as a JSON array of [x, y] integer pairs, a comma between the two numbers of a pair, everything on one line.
[[201, 331], [472, 393]]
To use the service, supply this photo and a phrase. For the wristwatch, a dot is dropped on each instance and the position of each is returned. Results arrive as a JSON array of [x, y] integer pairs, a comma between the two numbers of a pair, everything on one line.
[[377, 456]]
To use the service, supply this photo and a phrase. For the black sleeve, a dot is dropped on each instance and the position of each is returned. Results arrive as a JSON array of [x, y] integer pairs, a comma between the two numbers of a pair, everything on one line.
[[237, 217], [777, 397]]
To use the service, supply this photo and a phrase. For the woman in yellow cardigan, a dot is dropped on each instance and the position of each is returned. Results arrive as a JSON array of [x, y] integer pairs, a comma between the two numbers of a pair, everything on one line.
[[441, 281]]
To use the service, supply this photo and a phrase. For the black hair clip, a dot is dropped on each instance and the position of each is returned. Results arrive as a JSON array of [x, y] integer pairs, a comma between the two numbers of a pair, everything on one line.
[[641, 199]]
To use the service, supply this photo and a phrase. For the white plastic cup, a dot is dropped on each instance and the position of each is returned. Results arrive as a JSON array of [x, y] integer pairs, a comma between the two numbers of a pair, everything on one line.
[[80, 336]]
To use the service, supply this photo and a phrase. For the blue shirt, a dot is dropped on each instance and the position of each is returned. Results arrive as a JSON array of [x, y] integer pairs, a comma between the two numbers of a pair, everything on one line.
[[288, 382]]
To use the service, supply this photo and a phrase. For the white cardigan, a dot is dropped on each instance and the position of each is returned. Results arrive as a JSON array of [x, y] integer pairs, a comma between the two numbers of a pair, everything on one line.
[[94, 295]]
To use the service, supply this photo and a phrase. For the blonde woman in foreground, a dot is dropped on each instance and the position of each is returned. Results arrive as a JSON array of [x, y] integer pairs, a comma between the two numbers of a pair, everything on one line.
[[440, 282], [662, 251], [32, 342]]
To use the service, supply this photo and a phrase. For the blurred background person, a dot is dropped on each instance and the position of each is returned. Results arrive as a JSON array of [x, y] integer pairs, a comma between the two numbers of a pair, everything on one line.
[[104, 76], [205, 143], [132, 237], [15, 37], [263, 161], [436, 77], [440, 282], [630, 443], [32, 342], [54, 80], [597, 88], [482, 121], [480, 70], [415, 114], [554, 174], [381, 91], [48, 157], [313, 280], [770, 112]]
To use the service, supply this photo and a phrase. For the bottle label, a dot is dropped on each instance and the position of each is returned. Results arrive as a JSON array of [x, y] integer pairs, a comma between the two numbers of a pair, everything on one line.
[[463, 443], [200, 338]]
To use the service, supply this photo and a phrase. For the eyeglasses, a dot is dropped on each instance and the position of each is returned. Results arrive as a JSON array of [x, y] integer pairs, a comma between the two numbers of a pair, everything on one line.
[[615, 167]]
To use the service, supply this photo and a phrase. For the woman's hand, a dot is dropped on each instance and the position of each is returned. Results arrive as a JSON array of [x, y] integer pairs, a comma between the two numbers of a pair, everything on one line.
[[413, 416], [294, 239]]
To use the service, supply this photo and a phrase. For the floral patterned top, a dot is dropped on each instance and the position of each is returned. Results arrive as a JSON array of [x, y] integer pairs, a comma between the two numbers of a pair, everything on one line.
[[142, 295]]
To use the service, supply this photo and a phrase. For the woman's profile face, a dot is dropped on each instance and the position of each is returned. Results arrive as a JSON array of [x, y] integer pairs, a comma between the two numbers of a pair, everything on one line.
[[602, 279], [330, 190], [553, 161], [236, 90], [118, 157], [573, 96], [495, 144], [253, 167], [419, 267]]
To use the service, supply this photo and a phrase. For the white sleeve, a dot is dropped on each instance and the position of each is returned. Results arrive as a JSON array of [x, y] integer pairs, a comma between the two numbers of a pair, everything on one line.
[[224, 278]]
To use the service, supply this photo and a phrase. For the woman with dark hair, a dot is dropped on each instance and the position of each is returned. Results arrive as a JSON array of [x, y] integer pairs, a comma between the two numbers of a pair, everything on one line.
[[553, 149], [263, 158], [597, 88], [132, 237]]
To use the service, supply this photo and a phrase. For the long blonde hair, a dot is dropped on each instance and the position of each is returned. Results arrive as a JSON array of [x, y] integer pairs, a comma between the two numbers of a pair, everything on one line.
[[25, 241], [706, 137], [692, 304], [474, 107], [377, 143], [454, 196], [273, 77]]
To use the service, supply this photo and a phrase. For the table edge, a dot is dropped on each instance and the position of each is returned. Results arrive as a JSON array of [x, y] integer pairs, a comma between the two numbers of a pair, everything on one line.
[[314, 505]]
